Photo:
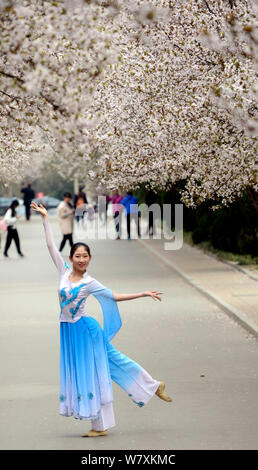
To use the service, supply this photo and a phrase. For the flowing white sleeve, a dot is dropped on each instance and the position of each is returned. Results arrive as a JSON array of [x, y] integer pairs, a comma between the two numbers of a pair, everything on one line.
[[54, 253]]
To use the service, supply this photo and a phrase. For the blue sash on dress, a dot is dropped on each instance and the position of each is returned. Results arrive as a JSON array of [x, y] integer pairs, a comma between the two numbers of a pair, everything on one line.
[[111, 316]]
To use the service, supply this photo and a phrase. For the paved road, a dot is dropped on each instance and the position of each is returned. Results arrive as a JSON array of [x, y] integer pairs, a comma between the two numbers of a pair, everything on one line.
[[208, 361]]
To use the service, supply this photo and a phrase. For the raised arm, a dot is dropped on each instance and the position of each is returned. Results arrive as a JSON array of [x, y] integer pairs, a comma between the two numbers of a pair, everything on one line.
[[152, 293], [54, 253]]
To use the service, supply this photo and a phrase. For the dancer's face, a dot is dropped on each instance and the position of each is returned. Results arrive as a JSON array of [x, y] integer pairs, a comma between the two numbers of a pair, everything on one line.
[[80, 259]]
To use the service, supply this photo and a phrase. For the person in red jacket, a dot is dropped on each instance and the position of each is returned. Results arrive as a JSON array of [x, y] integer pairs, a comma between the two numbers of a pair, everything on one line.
[[80, 201]]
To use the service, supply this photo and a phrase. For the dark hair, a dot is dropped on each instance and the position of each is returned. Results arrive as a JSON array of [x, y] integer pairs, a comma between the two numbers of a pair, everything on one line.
[[67, 195], [81, 189], [76, 245], [129, 193], [12, 206]]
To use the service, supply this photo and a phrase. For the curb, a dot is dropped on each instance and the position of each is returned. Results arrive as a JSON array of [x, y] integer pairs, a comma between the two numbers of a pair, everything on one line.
[[229, 263], [240, 317], [242, 270]]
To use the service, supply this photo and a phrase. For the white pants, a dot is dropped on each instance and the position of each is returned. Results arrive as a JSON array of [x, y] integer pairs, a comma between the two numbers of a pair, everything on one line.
[[135, 380]]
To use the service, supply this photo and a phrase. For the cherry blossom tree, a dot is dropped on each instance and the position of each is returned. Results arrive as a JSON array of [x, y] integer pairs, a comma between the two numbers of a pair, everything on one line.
[[52, 56], [133, 92], [183, 101]]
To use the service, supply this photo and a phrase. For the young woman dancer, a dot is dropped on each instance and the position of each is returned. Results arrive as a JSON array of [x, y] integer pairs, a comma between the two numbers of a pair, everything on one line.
[[88, 360]]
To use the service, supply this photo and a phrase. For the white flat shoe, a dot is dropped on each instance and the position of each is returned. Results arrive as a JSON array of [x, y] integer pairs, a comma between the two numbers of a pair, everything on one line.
[[93, 433]]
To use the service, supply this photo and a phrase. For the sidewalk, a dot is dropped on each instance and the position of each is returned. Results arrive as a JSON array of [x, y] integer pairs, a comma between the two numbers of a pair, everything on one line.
[[228, 287]]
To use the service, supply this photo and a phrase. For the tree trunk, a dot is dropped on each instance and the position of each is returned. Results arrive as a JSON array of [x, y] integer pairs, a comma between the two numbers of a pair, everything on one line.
[[253, 196]]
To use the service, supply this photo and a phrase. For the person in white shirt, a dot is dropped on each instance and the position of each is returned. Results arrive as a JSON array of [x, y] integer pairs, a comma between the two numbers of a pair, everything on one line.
[[10, 219]]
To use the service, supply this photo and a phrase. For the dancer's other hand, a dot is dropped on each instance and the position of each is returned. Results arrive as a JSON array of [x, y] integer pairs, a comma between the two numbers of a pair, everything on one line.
[[154, 294], [41, 209]]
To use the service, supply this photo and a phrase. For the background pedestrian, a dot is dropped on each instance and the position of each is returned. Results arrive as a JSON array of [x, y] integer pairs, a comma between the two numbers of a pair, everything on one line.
[[103, 208], [65, 214], [10, 219], [150, 199], [79, 201], [132, 213], [116, 207], [90, 214], [28, 195]]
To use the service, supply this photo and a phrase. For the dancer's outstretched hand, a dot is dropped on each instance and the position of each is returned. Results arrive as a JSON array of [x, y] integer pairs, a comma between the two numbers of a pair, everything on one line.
[[154, 294], [41, 209]]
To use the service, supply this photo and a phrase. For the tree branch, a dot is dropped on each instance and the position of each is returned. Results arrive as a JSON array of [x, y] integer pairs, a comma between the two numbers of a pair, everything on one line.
[[208, 8], [10, 96], [10, 75]]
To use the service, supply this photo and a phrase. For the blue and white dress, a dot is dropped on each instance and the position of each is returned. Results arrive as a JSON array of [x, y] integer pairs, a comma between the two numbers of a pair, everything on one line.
[[88, 360]]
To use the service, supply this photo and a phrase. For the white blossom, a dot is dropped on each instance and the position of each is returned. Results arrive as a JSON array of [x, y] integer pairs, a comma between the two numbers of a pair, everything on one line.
[[131, 92]]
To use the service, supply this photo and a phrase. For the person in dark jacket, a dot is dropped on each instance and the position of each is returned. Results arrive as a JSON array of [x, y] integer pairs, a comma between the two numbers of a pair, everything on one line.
[[28, 195]]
